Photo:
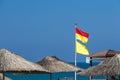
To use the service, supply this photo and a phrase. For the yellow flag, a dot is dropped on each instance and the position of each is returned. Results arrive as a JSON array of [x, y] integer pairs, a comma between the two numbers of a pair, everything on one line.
[[81, 49]]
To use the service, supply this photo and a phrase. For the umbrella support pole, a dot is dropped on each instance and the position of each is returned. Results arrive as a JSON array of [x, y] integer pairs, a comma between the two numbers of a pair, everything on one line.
[[50, 76], [91, 66], [3, 76], [106, 77]]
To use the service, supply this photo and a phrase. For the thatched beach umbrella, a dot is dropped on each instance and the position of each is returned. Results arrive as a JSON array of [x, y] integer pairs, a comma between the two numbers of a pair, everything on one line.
[[110, 66], [104, 54], [10, 62], [113, 65], [53, 64], [94, 71]]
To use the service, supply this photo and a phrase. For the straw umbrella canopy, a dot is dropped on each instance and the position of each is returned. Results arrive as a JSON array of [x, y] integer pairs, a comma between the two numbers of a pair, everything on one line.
[[113, 65], [94, 71], [110, 66], [10, 62], [104, 54], [53, 64]]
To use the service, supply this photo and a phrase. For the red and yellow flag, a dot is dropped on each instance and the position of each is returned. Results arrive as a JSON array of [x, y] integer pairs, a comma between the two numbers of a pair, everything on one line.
[[82, 36]]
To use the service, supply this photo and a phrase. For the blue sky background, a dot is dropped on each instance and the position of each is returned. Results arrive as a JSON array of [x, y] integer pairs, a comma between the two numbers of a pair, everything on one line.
[[38, 28]]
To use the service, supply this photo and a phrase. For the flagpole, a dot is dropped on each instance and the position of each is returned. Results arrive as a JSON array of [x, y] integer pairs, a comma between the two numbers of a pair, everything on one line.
[[79, 34], [75, 51]]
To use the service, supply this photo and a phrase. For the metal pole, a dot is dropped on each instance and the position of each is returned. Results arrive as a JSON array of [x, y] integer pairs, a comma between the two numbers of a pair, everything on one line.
[[75, 52]]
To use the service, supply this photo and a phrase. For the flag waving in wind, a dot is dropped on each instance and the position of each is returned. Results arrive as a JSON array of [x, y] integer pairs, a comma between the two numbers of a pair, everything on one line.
[[82, 36], [80, 46], [81, 49]]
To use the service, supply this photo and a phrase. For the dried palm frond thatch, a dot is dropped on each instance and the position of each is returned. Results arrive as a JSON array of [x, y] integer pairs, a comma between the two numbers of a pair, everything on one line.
[[106, 53], [113, 65], [53, 64], [10, 62], [110, 66]]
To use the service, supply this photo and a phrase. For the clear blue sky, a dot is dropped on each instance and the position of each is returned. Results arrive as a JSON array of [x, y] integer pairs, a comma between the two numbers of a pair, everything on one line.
[[37, 28]]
